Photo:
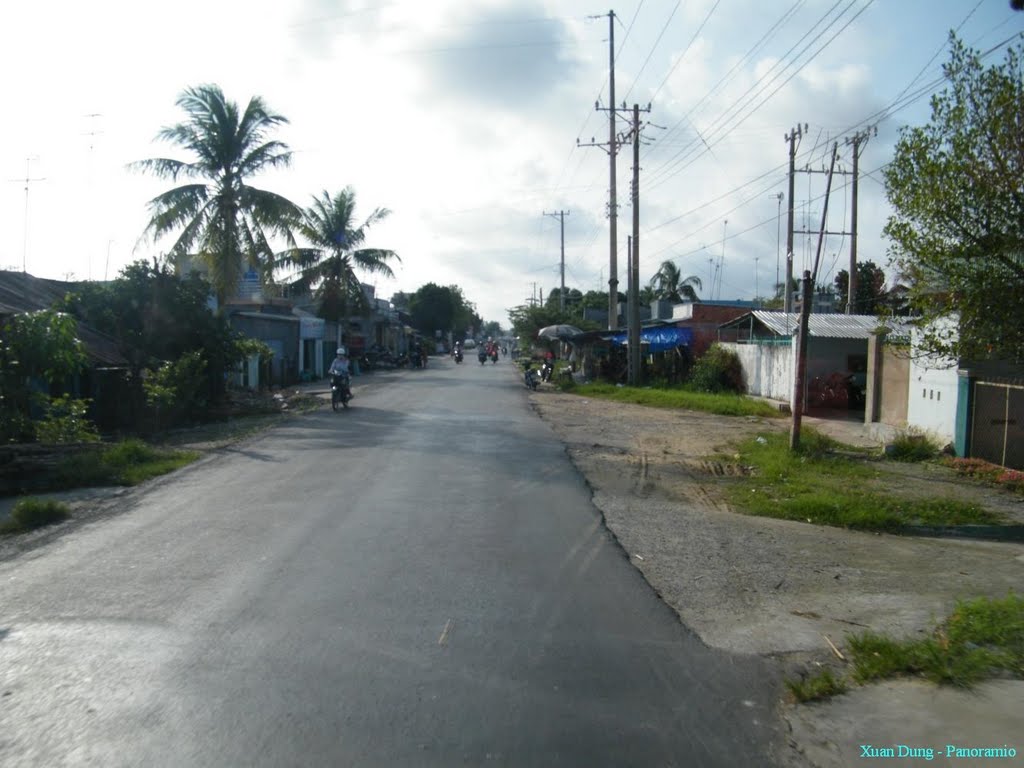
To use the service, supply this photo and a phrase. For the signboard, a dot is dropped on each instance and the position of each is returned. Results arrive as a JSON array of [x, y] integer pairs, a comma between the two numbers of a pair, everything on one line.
[[311, 327]]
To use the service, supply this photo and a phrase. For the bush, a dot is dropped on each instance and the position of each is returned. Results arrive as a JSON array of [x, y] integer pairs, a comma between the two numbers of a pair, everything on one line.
[[718, 370], [178, 390], [65, 422], [35, 513], [912, 446]]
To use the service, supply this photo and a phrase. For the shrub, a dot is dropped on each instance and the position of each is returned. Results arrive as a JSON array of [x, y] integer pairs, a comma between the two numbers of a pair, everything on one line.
[[912, 446], [65, 422], [178, 390], [718, 370], [35, 513]]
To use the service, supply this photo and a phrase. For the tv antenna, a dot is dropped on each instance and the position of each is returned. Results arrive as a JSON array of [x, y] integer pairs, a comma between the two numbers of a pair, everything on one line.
[[27, 181]]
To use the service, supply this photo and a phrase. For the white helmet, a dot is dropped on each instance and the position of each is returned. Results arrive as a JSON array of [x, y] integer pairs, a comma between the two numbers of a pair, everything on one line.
[[341, 351]]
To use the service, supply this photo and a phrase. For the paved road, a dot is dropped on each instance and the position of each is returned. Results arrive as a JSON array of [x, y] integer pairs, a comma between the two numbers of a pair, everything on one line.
[[421, 580]]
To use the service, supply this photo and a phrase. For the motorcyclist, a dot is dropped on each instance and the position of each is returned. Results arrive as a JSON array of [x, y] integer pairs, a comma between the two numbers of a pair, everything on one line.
[[340, 368]]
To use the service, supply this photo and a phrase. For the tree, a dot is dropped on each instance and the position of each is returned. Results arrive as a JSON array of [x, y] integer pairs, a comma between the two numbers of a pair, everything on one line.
[[437, 308], [573, 297], [870, 296], [328, 265], [220, 217], [957, 234], [38, 351], [670, 285]]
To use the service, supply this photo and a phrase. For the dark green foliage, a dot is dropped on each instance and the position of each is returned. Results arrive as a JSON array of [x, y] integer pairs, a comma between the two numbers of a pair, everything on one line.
[[958, 228], [437, 308], [912, 446], [38, 351], [35, 513], [871, 296], [65, 422], [718, 370]]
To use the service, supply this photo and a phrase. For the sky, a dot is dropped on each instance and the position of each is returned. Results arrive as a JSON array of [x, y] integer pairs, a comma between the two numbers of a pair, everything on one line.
[[469, 120]]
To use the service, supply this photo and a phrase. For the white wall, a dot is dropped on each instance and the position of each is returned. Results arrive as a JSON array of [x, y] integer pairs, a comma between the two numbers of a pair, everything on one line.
[[767, 369], [931, 400]]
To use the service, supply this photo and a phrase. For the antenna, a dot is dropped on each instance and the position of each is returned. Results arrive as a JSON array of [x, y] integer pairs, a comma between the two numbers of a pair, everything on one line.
[[27, 180]]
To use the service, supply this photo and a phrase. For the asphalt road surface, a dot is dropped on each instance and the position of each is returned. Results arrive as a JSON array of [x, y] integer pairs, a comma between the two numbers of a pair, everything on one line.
[[420, 580]]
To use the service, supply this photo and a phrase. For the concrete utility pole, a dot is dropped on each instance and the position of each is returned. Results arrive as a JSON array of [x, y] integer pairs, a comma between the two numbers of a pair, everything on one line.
[[634, 265], [810, 279], [858, 139], [560, 215], [613, 206], [613, 269], [792, 138]]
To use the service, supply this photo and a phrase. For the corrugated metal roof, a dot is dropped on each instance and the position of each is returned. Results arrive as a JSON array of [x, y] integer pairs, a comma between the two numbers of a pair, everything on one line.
[[833, 326]]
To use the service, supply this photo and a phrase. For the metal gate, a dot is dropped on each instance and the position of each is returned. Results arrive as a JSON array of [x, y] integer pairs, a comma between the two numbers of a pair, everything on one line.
[[997, 431]]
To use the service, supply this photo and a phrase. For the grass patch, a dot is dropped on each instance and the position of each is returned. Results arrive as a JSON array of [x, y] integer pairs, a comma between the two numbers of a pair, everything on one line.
[[912, 446], [127, 463], [986, 472], [982, 637], [818, 485], [723, 404], [819, 686], [29, 514]]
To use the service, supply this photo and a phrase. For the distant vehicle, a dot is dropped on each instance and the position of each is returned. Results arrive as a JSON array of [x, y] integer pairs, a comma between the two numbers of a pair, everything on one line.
[[469, 344]]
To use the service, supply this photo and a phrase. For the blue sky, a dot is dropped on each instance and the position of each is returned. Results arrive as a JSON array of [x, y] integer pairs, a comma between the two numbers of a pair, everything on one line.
[[463, 118]]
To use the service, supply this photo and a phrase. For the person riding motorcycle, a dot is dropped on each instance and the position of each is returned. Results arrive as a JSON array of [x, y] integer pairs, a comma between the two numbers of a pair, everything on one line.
[[340, 367]]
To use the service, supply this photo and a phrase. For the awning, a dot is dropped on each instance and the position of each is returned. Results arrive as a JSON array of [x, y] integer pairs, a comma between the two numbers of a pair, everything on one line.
[[659, 339]]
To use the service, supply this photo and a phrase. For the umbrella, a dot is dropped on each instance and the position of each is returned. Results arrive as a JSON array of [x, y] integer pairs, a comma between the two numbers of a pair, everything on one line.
[[560, 332]]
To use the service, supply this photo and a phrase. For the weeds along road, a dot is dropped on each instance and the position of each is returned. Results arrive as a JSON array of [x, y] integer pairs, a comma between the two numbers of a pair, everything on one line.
[[421, 580]]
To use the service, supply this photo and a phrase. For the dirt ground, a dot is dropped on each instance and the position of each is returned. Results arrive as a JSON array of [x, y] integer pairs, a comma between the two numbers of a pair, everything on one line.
[[764, 586]]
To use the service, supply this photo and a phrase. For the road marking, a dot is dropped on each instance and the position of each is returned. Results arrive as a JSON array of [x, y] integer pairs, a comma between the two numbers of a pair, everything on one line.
[[443, 639]]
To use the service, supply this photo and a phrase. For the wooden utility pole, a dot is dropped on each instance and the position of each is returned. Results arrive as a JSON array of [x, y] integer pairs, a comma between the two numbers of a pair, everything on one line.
[[560, 215], [807, 289], [634, 266], [791, 137]]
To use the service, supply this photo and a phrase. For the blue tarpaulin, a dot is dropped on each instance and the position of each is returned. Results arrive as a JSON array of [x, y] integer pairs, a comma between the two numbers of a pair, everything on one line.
[[660, 339]]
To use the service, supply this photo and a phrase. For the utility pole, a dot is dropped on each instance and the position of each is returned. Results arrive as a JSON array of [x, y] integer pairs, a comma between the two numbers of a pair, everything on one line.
[[810, 278], [721, 262], [560, 215], [858, 139], [778, 239], [27, 180], [633, 303], [613, 208], [792, 138]]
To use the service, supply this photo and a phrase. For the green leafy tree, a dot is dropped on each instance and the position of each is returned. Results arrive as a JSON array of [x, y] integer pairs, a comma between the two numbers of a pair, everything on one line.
[[957, 234], [573, 297], [218, 214], [870, 298], [670, 285], [38, 351], [156, 318], [335, 252], [442, 308]]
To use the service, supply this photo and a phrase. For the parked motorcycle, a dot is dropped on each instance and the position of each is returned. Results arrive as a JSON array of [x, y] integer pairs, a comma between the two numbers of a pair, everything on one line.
[[532, 381], [547, 370], [341, 391]]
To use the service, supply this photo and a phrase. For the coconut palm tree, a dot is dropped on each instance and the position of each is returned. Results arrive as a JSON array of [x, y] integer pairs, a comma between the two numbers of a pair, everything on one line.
[[669, 284], [221, 219], [328, 265]]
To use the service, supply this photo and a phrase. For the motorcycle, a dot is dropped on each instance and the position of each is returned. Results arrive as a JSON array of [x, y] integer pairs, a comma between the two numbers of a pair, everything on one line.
[[482, 356], [531, 379], [494, 356], [458, 355], [547, 370], [341, 392]]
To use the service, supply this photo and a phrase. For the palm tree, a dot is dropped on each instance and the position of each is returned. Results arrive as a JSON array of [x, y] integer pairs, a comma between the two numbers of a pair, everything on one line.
[[329, 264], [222, 219], [669, 284]]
